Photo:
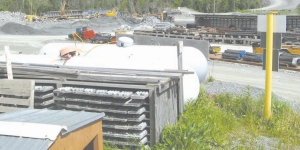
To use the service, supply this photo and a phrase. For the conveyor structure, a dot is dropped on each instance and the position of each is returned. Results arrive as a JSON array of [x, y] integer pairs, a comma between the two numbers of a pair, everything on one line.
[[137, 103]]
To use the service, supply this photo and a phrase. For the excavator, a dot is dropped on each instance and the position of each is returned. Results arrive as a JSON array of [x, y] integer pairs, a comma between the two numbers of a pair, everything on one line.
[[285, 49], [63, 14], [113, 12]]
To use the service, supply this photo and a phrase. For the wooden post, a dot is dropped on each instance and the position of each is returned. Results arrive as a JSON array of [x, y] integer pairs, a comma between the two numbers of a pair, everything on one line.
[[8, 63], [180, 84]]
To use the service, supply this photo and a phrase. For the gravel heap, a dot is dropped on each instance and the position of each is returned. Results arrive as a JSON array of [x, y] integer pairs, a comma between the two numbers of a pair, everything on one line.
[[218, 87], [131, 20], [148, 23], [19, 29], [16, 17]]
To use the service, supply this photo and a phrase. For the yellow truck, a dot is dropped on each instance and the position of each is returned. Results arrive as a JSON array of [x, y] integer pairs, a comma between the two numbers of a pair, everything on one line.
[[286, 49]]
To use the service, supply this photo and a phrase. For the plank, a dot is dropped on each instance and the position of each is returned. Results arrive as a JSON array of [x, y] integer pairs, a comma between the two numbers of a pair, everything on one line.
[[14, 101], [10, 109]]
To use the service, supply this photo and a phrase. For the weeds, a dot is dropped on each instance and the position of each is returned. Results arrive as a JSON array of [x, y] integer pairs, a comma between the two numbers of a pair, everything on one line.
[[201, 126], [212, 123], [210, 78]]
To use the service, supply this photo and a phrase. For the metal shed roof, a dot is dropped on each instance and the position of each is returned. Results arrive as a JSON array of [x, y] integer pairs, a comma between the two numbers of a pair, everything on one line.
[[21, 143], [71, 119]]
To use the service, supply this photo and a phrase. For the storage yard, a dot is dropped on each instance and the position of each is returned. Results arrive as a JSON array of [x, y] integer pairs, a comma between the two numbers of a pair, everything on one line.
[[136, 81]]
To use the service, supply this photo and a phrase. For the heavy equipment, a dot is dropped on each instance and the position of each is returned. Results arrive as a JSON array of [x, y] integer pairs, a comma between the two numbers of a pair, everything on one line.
[[97, 38], [82, 34], [31, 18], [102, 38], [285, 49], [63, 14], [214, 49], [113, 12]]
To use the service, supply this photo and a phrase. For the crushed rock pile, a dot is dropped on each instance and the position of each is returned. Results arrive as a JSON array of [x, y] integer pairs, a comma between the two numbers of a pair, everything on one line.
[[148, 23], [19, 29], [131, 20], [99, 22], [16, 17]]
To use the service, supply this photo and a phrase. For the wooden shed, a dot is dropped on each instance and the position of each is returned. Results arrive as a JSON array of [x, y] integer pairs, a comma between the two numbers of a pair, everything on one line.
[[51, 129]]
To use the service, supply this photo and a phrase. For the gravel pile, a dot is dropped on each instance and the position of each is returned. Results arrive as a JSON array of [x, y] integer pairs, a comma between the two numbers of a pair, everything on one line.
[[19, 29], [148, 23], [16, 17], [131, 21]]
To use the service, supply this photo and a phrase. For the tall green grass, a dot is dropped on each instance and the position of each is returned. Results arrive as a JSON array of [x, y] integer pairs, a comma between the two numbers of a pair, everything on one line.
[[215, 122], [203, 125]]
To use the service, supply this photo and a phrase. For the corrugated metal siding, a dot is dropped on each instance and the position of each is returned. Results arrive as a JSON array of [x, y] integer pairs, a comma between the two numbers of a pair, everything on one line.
[[19, 143], [71, 119]]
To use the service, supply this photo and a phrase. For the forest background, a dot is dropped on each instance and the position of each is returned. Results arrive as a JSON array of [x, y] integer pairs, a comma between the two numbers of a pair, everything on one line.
[[132, 6]]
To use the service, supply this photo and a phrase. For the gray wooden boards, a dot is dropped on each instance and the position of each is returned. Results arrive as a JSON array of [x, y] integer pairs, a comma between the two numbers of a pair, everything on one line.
[[16, 94]]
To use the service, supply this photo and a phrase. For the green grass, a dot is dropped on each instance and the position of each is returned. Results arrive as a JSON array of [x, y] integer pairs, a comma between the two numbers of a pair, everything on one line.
[[214, 122], [210, 78]]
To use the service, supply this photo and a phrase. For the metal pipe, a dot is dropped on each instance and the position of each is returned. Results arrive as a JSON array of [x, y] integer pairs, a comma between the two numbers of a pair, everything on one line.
[[269, 59]]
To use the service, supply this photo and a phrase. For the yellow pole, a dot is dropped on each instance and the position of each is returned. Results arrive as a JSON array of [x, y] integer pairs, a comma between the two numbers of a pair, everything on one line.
[[269, 59]]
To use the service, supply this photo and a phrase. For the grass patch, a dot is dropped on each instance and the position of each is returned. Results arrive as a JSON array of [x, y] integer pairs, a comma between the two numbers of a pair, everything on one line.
[[220, 121], [210, 78]]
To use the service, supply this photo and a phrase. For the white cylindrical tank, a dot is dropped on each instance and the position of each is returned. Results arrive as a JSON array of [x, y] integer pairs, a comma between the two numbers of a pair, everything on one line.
[[135, 57]]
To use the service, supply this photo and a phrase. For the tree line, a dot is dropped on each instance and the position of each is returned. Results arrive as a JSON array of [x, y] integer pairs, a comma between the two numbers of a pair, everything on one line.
[[131, 6]]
